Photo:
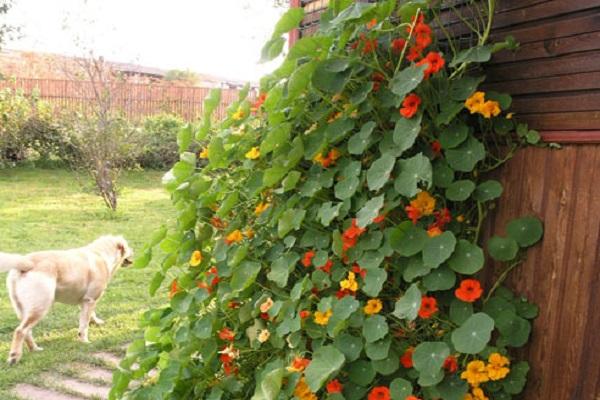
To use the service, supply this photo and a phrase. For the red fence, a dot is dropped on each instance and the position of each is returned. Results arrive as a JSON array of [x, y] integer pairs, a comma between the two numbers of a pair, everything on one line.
[[135, 100]]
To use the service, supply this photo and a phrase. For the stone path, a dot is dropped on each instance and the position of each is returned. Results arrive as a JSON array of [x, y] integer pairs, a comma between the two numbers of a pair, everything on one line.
[[92, 382]]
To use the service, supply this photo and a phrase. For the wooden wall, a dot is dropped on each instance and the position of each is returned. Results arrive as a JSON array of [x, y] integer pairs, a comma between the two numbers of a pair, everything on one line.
[[562, 274]]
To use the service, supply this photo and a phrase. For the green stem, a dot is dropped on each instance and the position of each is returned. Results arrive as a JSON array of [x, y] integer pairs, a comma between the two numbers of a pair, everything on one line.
[[501, 279]]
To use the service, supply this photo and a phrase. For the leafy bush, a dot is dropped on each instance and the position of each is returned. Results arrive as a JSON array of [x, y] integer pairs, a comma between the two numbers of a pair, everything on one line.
[[159, 148], [328, 247]]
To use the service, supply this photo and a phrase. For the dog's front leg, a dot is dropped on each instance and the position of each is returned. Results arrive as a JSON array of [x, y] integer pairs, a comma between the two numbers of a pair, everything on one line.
[[87, 308]]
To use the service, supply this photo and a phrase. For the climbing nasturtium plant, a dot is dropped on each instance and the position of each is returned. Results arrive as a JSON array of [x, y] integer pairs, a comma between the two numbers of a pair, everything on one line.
[[328, 235]]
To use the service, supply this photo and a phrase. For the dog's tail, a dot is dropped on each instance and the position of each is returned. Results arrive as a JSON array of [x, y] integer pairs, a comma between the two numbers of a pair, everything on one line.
[[14, 261]]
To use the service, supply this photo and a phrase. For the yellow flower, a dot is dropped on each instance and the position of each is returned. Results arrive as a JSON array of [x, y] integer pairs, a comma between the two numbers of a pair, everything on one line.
[[196, 258], [468, 396], [498, 366], [203, 153], [509, 115], [238, 115], [234, 237], [302, 391], [424, 202], [249, 233], [489, 108], [373, 307], [266, 306], [460, 218], [322, 318], [475, 373], [478, 394], [434, 231], [475, 102], [253, 154], [350, 283], [264, 335], [261, 207]]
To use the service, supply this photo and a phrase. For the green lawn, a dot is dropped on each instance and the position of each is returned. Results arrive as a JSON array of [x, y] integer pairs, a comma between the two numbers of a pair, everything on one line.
[[49, 209]]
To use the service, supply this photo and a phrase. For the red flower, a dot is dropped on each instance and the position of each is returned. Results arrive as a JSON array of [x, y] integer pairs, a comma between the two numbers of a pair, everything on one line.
[[379, 219], [353, 231], [398, 45], [469, 290], [422, 29], [442, 217], [334, 386], [434, 61], [259, 102], [413, 53], [369, 46], [379, 393], [428, 307], [413, 214], [264, 316], [450, 364], [340, 294], [233, 304], [422, 41], [436, 148], [406, 359], [327, 267], [360, 271], [226, 334], [307, 259], [378, 77], [174, 289], [410, 105], [304, 314], [225, 358]]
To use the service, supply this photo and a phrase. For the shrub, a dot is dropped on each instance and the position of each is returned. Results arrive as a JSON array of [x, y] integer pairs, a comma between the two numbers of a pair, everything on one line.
[[159, 148], [328, 248]]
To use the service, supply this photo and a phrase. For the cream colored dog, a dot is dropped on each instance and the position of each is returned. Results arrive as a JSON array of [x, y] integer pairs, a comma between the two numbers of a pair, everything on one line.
[[78, 276]]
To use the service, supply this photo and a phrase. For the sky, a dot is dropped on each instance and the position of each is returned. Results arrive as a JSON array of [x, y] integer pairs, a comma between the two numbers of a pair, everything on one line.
[[219, 37]]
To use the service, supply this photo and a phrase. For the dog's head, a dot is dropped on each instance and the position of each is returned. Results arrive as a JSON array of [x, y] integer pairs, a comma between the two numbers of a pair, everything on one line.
[[124, 252]]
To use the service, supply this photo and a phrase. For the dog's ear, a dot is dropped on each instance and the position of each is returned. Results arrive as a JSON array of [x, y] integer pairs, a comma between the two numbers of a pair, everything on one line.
[[121, 249]]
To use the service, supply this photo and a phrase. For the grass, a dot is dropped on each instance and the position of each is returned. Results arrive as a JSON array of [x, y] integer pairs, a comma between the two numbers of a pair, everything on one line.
[[49, 209]]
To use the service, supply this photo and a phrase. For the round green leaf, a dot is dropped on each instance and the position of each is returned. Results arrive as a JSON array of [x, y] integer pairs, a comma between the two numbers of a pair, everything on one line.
[[414, 269], [408, 239], [407, 307], [413, 171], [502, 249], [360, 141], [369, 211], [526, 231], [378, 350], [514, 329], [374, 328], [345, 188], [460, 190], [488, 190], [466, 156], [406, 132], [443, 175], [374, 281], [467, 258], [472, 336], [406, 80], [453, 135], [388, 365], [361, 372], [350, 345], [326, 361], [400, 389], [429, 357], [379, 172], [441, 278], [460, 311], [438, 249], [453, 388]]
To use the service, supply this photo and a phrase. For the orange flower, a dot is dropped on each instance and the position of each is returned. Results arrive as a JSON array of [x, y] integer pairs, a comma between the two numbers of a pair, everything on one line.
[[307, 259], [259, 102], [326, 267], [413, 53], [266, 305], [226, 334], [174, 289], [469, 290], [434, 61], [379, 393], [261, 208], [234, 237], [379, 219], [406, 359], [218, 223], [354, 230], [434, 231], [450, 364], [410, 105], [298, 364], [371, 24], [204, 285], [304, 314], [334, 386], [428, 307]]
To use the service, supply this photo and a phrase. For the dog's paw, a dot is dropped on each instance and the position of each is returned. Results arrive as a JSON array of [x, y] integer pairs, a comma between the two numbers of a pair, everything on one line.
[[13, 359], [98, 322], [37, 348]]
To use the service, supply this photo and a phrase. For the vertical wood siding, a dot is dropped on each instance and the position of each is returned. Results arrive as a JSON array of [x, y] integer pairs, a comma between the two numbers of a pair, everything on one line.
[[562, 274]]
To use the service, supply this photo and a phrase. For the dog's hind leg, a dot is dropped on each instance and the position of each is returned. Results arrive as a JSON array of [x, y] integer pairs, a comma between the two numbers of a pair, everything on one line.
[[96, 320], [21, 334], [87, 310]]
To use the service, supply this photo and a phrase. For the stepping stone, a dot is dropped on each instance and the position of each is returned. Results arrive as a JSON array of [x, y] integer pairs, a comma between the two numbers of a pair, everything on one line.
[[109, 358], [30, 392], [83, 388], [95, 373]]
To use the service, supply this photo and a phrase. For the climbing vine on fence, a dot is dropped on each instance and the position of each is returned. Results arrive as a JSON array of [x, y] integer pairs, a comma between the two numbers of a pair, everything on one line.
[[328, 235]]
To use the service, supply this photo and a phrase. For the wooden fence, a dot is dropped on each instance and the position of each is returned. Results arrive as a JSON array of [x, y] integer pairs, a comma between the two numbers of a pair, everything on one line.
[[135, 100]]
